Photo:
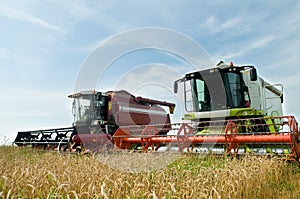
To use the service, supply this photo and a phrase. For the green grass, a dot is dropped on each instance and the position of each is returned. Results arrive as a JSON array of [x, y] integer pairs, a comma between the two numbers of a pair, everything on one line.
[[29, 173]]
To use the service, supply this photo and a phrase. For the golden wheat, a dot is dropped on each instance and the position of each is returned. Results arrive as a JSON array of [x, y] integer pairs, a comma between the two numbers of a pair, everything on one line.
[[28, 173]]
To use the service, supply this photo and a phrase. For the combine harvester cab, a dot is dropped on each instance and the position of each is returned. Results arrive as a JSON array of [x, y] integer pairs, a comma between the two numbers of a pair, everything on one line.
[[229, 92]]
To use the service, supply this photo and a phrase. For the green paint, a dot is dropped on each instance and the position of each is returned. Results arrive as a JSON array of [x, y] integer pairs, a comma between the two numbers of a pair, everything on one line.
[[236, 112], [240, 112]]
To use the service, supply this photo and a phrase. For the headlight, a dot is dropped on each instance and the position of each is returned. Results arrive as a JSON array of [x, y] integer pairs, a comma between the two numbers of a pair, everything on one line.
[[94, 122]]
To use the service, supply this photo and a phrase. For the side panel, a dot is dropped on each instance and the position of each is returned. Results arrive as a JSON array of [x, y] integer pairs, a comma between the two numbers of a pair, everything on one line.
[[254, 91], [273, 103], [264, 96], [255, 95]]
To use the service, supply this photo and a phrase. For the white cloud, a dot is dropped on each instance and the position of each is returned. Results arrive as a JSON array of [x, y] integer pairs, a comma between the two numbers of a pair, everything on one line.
[[215, 26], [96, 12], [26, 17], [242, 48]]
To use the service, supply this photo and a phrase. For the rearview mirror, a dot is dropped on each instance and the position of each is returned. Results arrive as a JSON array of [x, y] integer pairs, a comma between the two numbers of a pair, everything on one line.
[[175, 87], [253, 74]]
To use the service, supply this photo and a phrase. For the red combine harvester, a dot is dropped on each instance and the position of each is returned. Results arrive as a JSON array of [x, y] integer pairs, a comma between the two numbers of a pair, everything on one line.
[[229, 109], [97, 116]]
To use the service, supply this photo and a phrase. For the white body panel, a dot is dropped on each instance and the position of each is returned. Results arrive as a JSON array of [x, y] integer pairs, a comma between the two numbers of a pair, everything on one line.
[[213, 114], [264, 96]]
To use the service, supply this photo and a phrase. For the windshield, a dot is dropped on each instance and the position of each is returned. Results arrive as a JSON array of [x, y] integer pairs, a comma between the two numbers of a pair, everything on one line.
[[90, 107], [234, 89], [82, 108], [216, 91]]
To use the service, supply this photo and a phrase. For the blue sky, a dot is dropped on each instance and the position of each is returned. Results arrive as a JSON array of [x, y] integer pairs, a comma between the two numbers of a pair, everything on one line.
[[44, 43]]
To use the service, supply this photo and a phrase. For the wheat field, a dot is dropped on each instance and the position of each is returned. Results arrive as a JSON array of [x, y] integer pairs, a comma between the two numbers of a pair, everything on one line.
[[29, 173]]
